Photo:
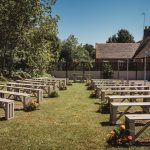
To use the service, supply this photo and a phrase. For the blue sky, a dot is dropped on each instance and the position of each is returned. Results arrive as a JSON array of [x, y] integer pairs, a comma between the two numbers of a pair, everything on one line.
[[93, 21]]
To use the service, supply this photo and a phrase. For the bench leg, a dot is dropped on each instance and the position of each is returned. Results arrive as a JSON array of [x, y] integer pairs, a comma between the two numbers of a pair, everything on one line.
[[130, 125], [113, 114], [39, 96], [102, 96]]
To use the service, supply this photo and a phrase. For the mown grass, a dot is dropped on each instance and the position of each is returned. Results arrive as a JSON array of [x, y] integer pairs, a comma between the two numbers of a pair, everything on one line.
[[69, 122]]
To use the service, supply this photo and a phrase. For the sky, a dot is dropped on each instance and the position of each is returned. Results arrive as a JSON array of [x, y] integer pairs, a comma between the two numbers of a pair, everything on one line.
[[93, 21]]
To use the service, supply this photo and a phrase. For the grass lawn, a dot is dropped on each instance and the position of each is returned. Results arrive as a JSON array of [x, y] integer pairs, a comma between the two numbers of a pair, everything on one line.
[[69, 122]]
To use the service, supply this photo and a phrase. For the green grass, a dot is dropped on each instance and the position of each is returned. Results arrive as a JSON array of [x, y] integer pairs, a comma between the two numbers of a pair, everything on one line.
[[69, 122]]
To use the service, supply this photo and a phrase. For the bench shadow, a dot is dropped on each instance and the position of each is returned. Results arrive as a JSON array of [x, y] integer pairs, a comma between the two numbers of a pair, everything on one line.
[[2, 119], [106, 123], [96, 103], [18, 109], [142, 143]]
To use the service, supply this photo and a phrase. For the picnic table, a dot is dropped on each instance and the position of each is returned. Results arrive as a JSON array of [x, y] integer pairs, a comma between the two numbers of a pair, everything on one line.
[[8, 106], [130, 98], [130, 123], [38, 93], [122, 92], [23, 97], [81, 76], [134, 87], [46, 88], [114, 106]]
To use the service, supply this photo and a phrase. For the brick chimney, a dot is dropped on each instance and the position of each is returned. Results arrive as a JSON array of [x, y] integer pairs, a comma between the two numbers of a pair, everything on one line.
[[147, 32]]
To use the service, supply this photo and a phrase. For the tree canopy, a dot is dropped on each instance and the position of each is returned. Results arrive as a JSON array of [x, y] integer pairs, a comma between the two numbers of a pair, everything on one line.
[[28, 34], [123, 36]]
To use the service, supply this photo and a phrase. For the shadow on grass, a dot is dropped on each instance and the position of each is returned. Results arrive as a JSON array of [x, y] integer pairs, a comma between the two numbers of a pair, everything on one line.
[[96, 103], [140, 143], [19, 109], [106, 123], [2, 119]]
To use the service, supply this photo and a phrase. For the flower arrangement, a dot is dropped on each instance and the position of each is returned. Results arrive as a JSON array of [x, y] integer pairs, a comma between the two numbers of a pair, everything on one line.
[[33, 105], [120, 136]]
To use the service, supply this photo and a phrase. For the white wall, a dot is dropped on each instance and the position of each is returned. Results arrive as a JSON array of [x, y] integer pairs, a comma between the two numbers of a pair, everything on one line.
[[97, 74]]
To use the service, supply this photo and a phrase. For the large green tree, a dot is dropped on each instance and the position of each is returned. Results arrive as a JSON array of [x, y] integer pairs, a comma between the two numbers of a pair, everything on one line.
[[91, 50], [123, 36], [28, 34]]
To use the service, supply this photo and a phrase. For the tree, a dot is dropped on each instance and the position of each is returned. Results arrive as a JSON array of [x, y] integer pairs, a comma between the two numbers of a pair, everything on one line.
[[28, 34], [68, 49], [123, 36], [91, 50]]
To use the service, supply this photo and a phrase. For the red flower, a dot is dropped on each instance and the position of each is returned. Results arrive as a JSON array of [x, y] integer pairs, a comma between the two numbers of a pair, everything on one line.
[[130, 137]]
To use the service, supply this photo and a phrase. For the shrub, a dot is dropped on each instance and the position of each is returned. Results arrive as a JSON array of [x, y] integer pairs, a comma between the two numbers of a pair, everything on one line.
[[63, 88], [120, 136], [54, 94], [93, 95], [104, 107], [20, 75], [33, 105], [69, 83], [88, 83]]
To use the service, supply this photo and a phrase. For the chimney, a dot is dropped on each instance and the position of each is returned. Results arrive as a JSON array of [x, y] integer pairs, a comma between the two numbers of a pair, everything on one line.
[[147, 32]]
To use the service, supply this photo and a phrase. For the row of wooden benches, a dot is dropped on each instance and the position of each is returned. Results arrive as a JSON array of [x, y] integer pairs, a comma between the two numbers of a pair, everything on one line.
[[22, 91], [105, 90]]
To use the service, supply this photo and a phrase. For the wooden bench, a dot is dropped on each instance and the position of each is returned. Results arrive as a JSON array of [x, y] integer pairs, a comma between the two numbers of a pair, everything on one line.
[[114, 106], [8, 106], [23, 97], [135, 87], [130, 124], [122, 92], [46, 88], [38, 93], [130, 98]]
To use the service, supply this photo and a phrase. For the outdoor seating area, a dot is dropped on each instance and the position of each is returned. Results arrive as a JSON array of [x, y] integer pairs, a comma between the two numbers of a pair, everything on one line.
[[114, 93], [25, 91]]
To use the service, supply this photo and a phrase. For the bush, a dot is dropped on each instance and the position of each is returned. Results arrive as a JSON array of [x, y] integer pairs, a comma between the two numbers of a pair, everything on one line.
[[104, 107], [2, 78], [54, 94], [88, 83], [63, 88], [20, 75], [93, 95], [33, 105], [69, 83]]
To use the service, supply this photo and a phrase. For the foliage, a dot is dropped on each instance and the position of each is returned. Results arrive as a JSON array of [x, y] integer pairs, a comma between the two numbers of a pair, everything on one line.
[[104, 107], [107, 71], [19, 74], [123, 36], [91, 50], [33, 105], [28, 34], [69, 83], [93, 94], [54, 94], [74, 53], [120, 136]]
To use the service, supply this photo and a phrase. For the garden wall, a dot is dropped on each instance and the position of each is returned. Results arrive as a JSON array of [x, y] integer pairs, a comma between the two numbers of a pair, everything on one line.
[[132, 75]]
